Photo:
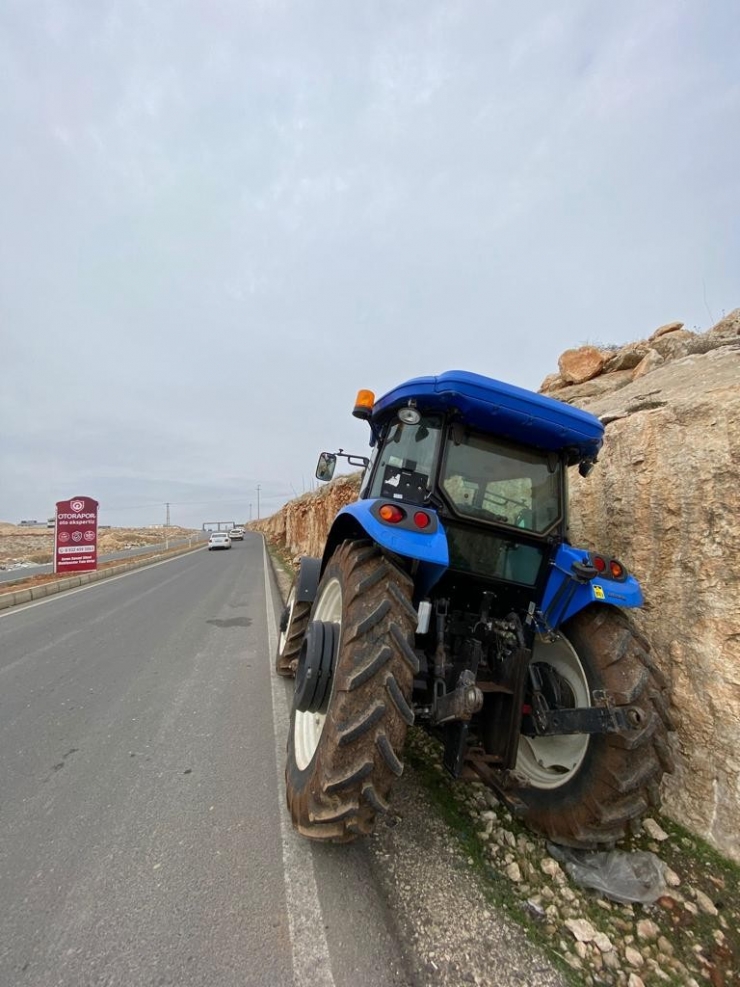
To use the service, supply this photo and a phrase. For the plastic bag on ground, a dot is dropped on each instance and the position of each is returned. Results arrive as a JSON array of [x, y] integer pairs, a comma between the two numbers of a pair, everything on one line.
[[623, 877]]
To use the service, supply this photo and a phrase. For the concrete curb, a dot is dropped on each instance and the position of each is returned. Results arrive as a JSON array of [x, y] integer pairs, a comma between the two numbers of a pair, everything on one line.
[[31, 593]]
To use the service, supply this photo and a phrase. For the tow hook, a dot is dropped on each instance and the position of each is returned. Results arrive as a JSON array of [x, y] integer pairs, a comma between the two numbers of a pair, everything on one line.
[[462, 703]]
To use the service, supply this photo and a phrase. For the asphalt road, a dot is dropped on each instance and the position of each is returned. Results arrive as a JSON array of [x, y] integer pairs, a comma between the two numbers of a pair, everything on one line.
[[143, 834]]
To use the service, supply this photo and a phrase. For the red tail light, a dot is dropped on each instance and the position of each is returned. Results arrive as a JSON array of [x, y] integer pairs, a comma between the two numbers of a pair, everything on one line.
[[599, 563], [422, 520]]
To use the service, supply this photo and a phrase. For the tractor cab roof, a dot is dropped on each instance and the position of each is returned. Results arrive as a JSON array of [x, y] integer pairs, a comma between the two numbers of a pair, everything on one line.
[[500, 409]]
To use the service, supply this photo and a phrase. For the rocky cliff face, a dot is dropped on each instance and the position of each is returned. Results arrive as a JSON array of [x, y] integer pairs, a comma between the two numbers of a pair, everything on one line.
[[665, 499], [300, 528]]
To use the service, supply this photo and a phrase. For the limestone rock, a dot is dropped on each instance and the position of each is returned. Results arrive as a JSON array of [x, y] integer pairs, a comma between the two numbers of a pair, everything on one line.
[[705, 903], [580, 929], [627, 357], [650, 361], [726, 328], [647, 929], [665, 499], [674, 345], [668, 327], [577, 366], [301, 525], [605, 383], [553, 382], [513, 872], [654, 831], [634, 957]]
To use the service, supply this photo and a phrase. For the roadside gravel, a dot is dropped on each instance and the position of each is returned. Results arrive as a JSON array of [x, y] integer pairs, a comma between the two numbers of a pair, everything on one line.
[[454, 935], [482, 901]]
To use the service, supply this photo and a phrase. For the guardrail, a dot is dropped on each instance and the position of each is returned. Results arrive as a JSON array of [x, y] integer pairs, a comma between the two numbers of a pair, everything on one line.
[[13, 598]]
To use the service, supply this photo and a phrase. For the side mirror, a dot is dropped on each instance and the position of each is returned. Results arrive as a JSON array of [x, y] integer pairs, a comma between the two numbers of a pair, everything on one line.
[[326, 466]]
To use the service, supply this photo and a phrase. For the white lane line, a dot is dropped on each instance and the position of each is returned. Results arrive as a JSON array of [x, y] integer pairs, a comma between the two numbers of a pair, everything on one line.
[[311, 962], [66, 593]]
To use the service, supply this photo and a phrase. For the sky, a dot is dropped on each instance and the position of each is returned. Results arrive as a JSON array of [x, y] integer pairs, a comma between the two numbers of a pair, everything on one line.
[[219, 219]]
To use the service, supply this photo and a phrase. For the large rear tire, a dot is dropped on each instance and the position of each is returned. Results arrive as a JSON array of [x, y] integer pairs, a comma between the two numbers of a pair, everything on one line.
[[293, 624], [341, 763], [587, 791]]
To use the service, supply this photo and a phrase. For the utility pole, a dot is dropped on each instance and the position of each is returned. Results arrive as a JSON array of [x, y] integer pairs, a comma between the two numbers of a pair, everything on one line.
[[258, 501], [167, 518]]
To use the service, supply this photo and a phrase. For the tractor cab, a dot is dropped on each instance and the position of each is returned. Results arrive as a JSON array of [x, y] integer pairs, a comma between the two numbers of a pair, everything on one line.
[[486, 459]]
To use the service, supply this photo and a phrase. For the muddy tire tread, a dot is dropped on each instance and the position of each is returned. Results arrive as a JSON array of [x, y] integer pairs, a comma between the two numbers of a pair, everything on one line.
[[621, 779], [359, 755], [285, 660]]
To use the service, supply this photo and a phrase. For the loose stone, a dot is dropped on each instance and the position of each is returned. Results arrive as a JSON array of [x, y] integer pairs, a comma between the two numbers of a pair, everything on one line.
[[647, 929], [580, 929], [633, 957], [612, 961], [603, 942], [671, 877], [514, 873], [665, 946], [550, 867], [653, 830], [705, 903]]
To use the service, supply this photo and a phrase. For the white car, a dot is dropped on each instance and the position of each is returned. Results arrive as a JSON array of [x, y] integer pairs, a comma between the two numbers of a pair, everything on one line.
[[219, 539], [237, 534]]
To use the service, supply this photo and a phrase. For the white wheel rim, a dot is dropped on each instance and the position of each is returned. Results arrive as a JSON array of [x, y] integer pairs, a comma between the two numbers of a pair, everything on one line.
[[284, 634], [551, 762], [308, 727]]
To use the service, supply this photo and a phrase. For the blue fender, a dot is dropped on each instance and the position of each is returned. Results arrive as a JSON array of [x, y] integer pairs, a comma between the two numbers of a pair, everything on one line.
[[428, 549], [564, 595]]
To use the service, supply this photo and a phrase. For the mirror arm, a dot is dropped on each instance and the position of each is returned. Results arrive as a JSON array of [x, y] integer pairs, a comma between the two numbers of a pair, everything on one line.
[[354, 460]]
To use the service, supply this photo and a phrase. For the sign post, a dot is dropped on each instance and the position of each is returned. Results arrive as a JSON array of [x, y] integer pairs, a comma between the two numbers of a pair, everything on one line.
[[76, 535]]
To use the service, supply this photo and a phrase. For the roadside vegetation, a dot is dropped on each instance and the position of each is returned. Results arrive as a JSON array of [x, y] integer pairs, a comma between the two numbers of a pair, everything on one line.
[[689, 936]]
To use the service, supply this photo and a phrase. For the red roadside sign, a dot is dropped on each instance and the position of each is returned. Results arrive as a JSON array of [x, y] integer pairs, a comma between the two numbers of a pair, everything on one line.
[[76, 535]]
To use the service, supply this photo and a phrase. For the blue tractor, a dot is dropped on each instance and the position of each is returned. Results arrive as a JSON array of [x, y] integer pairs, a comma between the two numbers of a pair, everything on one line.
[[449, 595]]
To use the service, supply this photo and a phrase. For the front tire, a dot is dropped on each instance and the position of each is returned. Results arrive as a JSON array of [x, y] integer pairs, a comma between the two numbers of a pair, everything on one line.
[[341, 764], [587, 791]]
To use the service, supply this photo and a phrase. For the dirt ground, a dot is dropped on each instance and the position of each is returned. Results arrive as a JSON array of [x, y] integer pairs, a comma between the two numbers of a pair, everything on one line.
[[35, 544]]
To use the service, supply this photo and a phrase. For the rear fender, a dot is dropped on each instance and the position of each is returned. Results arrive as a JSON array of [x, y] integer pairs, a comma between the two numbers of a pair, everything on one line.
[[429, 550], [565, 595], [307, 580]]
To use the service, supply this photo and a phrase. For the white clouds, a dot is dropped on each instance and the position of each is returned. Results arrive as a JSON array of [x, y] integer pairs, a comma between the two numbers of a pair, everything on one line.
[[333, 192]]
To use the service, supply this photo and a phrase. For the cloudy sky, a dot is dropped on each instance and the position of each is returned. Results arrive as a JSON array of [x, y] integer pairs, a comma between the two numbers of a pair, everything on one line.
[[220, 218]]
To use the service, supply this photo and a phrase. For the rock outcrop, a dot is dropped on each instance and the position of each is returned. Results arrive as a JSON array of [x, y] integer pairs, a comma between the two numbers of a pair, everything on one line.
[[301, 526], [665, 499]]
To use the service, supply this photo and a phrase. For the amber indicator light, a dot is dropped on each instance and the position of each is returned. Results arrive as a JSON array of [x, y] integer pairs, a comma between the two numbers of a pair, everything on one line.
[[616, 569], [391, 513], [364, 402]]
